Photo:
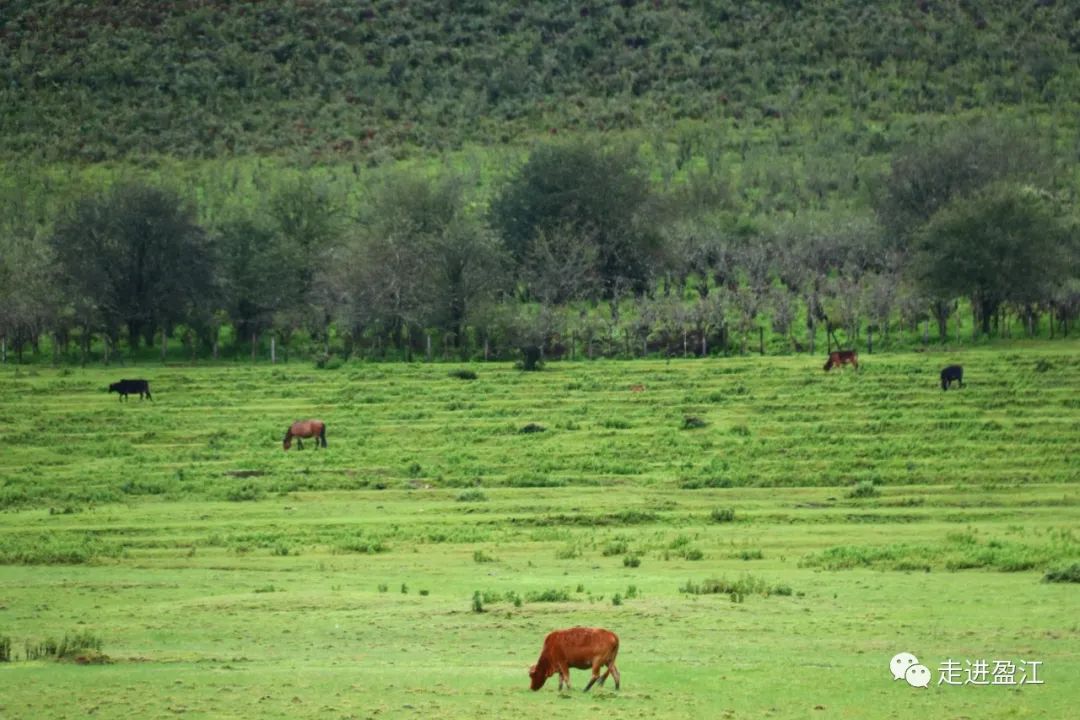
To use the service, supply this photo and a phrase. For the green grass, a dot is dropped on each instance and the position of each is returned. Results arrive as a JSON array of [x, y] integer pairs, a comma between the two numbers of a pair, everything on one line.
[[223, 577]]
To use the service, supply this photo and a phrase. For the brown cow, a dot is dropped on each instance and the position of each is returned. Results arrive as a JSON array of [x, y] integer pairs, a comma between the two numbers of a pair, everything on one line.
[[842, 357], [577, 647]]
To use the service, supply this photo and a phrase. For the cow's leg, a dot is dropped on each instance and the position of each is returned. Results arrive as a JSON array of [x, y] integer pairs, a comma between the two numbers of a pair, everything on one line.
[[614, 673], [595, 676], [564, 678], [299, 443]]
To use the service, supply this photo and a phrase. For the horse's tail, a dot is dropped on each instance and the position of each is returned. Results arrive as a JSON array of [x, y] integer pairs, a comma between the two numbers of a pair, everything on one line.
[[322, 435]]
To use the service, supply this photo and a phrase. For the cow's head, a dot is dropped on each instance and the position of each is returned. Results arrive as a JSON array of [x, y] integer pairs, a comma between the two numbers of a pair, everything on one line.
[[538, 678]]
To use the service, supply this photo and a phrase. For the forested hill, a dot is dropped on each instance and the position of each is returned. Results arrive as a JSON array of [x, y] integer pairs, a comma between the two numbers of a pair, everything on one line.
[[91, 81]]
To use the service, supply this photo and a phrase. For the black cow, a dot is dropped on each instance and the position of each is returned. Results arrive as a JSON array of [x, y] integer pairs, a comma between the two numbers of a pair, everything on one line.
[[126, 387], [953, 372]]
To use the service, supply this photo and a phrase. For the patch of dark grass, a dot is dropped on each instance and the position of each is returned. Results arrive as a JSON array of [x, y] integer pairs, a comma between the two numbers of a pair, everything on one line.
[[692, 422], [532, 428], [737, 589], [1069, 574], [463, 374], [722, 515], [535, 480], [248, 492], [548, 596], [864, 489], [472, 496]]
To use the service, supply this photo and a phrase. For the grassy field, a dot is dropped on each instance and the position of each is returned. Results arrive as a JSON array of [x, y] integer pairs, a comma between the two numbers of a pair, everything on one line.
[[763, 536]]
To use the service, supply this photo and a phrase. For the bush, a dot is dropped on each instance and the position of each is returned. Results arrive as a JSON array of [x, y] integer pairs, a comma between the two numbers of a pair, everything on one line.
[[631, 561], [472, 496], [691, 422], [532, 428], [463, 374]]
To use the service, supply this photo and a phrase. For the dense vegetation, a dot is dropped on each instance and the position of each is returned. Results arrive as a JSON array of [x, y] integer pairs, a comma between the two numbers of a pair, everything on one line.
[[197, 78], [596, 178]]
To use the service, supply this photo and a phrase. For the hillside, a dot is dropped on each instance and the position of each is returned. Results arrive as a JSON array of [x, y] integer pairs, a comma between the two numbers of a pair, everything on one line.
[[373, 81]]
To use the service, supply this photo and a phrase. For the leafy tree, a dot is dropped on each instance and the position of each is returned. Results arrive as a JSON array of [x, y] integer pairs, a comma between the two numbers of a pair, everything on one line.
[[136, 255], [421, 258], [926, 176], [1006, 243], [256, 268], [601, 196]]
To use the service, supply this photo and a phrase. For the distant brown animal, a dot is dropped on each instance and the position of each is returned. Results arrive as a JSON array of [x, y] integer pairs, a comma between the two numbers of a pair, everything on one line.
[[577, 647], [842, 357], [637, 388], [305, 429]]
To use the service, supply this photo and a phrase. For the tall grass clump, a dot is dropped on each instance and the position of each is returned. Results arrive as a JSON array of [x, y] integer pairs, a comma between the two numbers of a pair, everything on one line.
[[864, 489], [1070, 574]]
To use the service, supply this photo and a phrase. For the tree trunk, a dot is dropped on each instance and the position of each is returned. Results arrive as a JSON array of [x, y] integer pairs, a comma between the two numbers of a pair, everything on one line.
[[3, 350], [164, 345], [870, 340], [761, 341], [254, 346], [273, 350]]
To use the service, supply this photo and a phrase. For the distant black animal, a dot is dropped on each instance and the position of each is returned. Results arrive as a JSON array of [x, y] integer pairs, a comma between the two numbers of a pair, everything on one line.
[[130, 387], [953, 372]]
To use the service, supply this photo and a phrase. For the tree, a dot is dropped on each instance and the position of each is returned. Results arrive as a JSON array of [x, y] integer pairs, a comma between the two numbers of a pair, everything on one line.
[[926, 176], [1006, 243], [256, 267], [420, 258], [600, 196], [136, 255]]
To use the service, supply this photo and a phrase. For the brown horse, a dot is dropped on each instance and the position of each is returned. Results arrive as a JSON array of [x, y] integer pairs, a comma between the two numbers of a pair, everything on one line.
[[842, 357], [306, 429]]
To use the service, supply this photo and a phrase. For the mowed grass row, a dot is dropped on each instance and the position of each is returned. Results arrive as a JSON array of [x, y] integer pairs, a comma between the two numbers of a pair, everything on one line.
[[215, 431], [361, 604], [413, 567]]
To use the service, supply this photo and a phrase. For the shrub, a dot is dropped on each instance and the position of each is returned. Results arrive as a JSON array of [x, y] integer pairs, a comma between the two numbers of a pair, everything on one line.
[[532, 428], [463, 374], [472, 496], [477, 602], [5, 648], [632, 561], [691, 422]]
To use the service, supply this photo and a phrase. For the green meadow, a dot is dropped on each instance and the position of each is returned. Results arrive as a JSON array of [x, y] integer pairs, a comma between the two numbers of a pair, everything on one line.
[[763, 536]]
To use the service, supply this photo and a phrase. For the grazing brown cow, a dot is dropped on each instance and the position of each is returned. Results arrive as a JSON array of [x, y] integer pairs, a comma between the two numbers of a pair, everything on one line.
[[577, 647], [305, 429], [842, 357]]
